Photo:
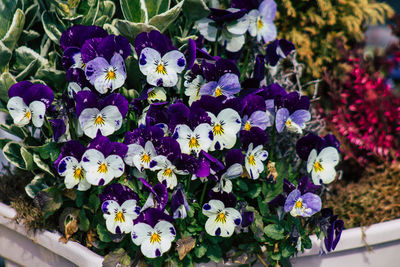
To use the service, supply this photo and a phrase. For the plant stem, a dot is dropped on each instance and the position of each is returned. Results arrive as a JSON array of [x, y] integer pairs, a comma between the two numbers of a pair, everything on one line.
[[245, 65], [203, 193], [216, 42], [188, 184]]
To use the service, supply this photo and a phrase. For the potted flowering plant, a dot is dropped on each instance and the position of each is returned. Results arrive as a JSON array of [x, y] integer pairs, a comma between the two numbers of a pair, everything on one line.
[[144, 151]]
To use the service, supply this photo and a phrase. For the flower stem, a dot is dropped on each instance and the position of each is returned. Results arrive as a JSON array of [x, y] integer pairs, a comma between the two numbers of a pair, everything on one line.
[[203, 193], [245, 64], [216, 43]]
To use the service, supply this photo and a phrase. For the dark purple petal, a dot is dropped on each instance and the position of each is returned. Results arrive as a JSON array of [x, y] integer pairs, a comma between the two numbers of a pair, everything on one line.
[[273, 91], [68, 57], [198, 116], [191, 53], [119, 149], [114, 44], [153, 216], [259, 68], [85, 99], [78, 34], [247, 218], [59, 128], [286, 46], [117, 100], [248, 4], [142, 135], [118, 192], [188, 163], [233, 156], [229, 199], [158, 113], [253, 103], [102, 144], [329, 140], [256, 136], [338, 225], [208, 103], [221, 16], [278, 201], [39, 92], [293, 101], [19, 89], [305, 186], [155, 40], [215, 164], [170, 148], [89, 49], [77, 75], [288, 187], [161, 195], [71, 148], [271, 57], [179, 114]]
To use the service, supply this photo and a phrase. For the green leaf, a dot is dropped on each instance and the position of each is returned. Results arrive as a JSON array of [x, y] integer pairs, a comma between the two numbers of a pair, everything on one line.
[[134, 10], [214, 253], [36, 185], [52, 77], [7, 10], [12, 152], [195, 9], [94, 202], [103, 233], [91, 11], [241, 184], [52, 26], [84, 222], [254, 190], [276, 256], [130, 29], [24, 56], [108, 9], [14, 32], [6, 81], [274, 231], [200, 251], [288, 251], [31, 13], [118, 257], [43, 166], [3, 142], [27, 36], [134, 81], [27, 157], [163, 20], [306, 241], [5, 55], [48, 151], [155, 7], [49, 199]]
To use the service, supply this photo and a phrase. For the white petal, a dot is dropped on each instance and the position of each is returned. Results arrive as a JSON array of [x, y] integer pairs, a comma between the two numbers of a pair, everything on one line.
[[131, 208], [84, 185], [133, 150], [149, 148], [112, 118], [115, 165], [139, 233], [329, 155], [157, 94], [86, 121], [67, 164], [73, 88], [234, 216], [205, 136], [169, 79], [110, 223], [233, 43], [150, 250], [174, 61], [148, 60], [233, 171], [19, 111], [208, 31], [90, 159], [161, 162], [182, 134], [213, 207], [120, 73], [166, 230], [240, 26], [327, 175], [170, 179], [311, 160], [231, 119]]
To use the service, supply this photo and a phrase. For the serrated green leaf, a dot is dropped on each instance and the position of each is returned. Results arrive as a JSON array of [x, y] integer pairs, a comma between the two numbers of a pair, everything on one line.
[[134, 10], [5, 55], [84, 222], [52, 26], [274, 231], [27, 157], [6, 81], [36, 185], [195, 9], [12, 152], [163, 20], [103, 233], [155, 7], [41, 165], [14, 32], [130, 29]]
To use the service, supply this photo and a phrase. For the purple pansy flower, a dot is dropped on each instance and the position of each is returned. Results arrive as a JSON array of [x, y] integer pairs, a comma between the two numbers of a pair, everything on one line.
[[118, 192], [261, 21], [307, 143], [294, 122], [258, 119], [119, 218], [227, 85], [59, 128], [153, 39], [100, 115], [331, 228], [179, 204], [278, 49], [304, 205], [158, 197], [102, 160], [69, 165], [106, 48], [142, 157], [28, 102]]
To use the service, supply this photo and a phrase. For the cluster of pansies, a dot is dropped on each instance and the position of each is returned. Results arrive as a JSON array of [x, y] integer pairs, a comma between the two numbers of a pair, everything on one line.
[[196, 136]]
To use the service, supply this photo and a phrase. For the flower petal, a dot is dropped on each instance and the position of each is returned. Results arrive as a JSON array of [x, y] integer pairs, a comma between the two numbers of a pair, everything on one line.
[[140, 233], [213, 207], [174, 61], [18, 111], [38, 108], [148, 60]]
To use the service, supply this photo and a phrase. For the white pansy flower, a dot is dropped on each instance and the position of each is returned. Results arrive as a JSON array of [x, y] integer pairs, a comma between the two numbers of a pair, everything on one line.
[[254, 160], [141, 157], [108, 120], [167, 172], [119, 219], [225, 127], [23, 114], [322, 165], [70, 168], [193, 141], [193, 88]]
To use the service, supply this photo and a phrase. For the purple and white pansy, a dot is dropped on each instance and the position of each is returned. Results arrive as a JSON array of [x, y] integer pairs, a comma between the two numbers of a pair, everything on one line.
[[96, 115], [221, 220], [194, 141], [70, 166], [119, 218], [259, 118], [227, 85], [167, 171], [254, 160], [103, 160], [294, 122], [322, 165], [302, 205], [153, 241], [225, 127], [141, 157], [261, 21], [28, 102]]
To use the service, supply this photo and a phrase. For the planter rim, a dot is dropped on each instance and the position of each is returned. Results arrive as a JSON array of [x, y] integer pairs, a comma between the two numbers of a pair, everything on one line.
[[358, 237], [72, 251]]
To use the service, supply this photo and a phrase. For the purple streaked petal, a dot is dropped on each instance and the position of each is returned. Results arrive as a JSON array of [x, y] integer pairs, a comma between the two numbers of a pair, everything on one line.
[[68, 57], [71, 148], [247, 218], [291, 200], [288, 187], [281, 117], [153, 216], [300, 117], [78, 34], [191, 53], [256, 135], [229, 83], [59, 128], [85, 99], [229, 199], [260, 119], [89, 49], [155, 40], [305, 186], [114, 44], [268, 9], [208, 88], [312, 202], [117, 100], [118, 192], [259, 68]]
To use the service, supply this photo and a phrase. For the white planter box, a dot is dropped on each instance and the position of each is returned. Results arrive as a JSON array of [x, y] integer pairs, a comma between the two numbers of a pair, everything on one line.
[[44, 249]]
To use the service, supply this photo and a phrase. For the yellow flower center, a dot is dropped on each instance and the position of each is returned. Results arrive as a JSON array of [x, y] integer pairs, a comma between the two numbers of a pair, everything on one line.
[[247, 126], [318, 167], [193, 143], [155, 237], [252, 160], [146, 158], [119, 217], [102, 168], [221, 217], [78, 174], [299, 204], [161, 69], [110, 75], [168, 172], [260, 24], [288, 123], [218, 130], [28, 114], [99, 120], [218, 91], [151, 94]]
